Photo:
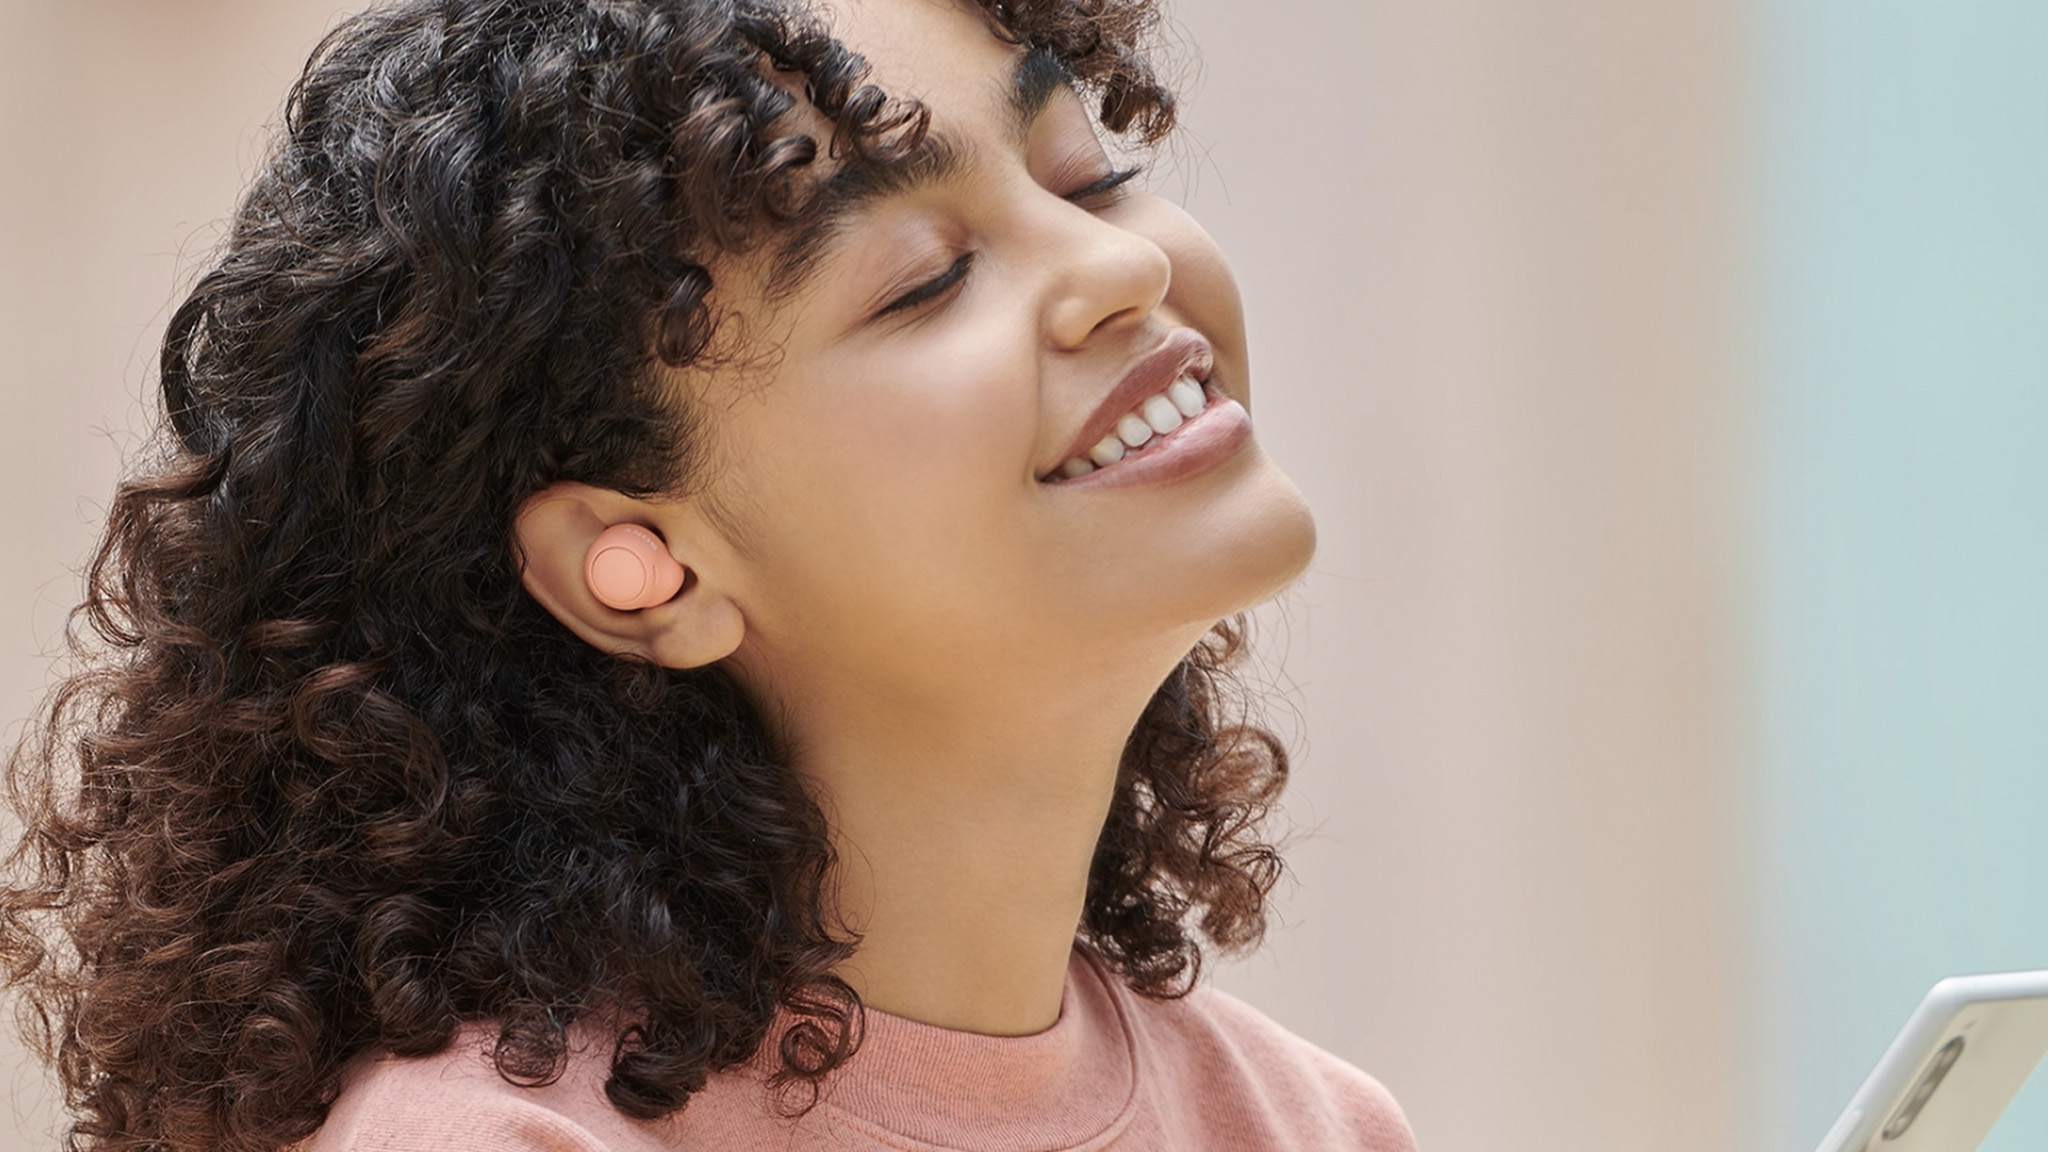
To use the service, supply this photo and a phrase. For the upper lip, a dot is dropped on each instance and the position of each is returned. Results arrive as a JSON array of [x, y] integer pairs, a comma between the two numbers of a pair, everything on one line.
[[1184, 352]]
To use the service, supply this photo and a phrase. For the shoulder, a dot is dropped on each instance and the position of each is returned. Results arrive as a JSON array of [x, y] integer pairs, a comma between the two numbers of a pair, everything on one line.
[[455, 1098], [1217, 1055]]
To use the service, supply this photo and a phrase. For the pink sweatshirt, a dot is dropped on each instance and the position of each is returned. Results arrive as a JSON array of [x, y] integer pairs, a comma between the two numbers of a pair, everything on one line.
[[1116, 1072]]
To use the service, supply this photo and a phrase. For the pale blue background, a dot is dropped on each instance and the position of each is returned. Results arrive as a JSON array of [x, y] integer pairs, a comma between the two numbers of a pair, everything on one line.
[[1903, 596]]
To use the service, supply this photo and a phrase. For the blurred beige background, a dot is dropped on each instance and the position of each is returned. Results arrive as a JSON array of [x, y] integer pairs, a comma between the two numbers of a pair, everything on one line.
[[1483, 247]]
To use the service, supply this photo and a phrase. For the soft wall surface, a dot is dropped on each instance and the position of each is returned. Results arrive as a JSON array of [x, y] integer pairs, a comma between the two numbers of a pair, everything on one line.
[[1903, 586]]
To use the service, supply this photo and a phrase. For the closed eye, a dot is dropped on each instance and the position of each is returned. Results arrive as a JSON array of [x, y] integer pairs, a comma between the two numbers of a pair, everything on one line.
[[1099, 193], [1108, 189], [931, 289]]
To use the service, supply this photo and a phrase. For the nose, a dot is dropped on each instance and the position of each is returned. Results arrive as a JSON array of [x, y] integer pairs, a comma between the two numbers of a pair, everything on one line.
[[1105, 276]]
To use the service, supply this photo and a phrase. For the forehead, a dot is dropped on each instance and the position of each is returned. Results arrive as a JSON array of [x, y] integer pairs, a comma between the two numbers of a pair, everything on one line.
[[944, 52], [980, 92]]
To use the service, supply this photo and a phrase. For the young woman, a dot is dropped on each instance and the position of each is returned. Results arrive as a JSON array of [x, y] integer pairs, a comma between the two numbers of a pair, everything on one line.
[[676, 607]]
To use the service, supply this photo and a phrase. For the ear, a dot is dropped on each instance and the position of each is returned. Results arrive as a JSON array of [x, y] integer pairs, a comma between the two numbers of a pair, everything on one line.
[[553, 532]]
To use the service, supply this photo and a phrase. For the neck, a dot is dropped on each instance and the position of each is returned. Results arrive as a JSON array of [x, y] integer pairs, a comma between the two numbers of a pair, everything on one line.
[[964, 852]]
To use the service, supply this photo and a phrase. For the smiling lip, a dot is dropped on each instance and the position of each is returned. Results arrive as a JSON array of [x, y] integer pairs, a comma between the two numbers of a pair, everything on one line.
[[1184, 351], [1201, 443]]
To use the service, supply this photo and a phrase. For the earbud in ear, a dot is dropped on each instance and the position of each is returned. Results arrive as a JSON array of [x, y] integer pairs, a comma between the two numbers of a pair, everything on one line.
[[629, 568]]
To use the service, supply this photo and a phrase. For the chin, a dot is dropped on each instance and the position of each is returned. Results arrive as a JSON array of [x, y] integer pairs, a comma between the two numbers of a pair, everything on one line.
[[1245, 550], [1166, 574], [1269, 547]]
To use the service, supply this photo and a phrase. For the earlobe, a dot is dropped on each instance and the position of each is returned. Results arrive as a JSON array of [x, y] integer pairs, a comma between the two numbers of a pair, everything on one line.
[[597, 561]]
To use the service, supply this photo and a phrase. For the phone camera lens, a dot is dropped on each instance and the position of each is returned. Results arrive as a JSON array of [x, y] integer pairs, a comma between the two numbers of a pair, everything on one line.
[[1937, 1070]]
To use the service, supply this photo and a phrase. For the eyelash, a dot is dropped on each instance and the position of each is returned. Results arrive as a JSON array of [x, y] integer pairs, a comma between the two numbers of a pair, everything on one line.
[[1109, 185], [931, 289]]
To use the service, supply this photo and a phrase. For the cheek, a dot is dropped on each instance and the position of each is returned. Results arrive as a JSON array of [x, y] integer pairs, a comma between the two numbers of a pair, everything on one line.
[[880, 461], [1203, 292], [950, 415]]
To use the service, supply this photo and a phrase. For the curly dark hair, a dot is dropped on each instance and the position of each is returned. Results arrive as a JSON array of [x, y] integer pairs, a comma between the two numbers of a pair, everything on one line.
[[322, 777]]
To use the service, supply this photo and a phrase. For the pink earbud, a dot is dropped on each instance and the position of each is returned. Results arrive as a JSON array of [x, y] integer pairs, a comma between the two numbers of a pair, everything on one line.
[[629, 568]]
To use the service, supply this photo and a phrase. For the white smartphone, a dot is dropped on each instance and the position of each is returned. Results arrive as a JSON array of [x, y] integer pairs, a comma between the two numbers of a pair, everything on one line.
[[1961, 1058]]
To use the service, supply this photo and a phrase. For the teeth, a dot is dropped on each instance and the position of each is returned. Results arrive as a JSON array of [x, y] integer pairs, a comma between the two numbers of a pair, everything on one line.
[[1160, 415], [1182, 401], [1133, 430]]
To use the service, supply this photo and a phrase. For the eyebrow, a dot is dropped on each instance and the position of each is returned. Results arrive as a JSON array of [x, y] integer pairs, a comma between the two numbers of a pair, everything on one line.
[[849, 192]]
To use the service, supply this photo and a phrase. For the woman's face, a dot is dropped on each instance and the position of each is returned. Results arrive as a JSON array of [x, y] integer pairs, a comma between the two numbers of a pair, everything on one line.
[[895, 482]]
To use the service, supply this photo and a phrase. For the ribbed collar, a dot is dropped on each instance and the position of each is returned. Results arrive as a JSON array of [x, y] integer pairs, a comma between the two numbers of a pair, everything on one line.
[[1070, 1087]]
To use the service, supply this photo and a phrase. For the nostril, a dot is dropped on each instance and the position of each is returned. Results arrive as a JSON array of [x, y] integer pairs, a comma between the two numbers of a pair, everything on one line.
[[1116, 318]]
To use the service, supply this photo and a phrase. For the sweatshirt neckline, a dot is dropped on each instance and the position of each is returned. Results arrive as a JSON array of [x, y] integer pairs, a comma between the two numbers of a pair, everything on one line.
[[1071, 1087]]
